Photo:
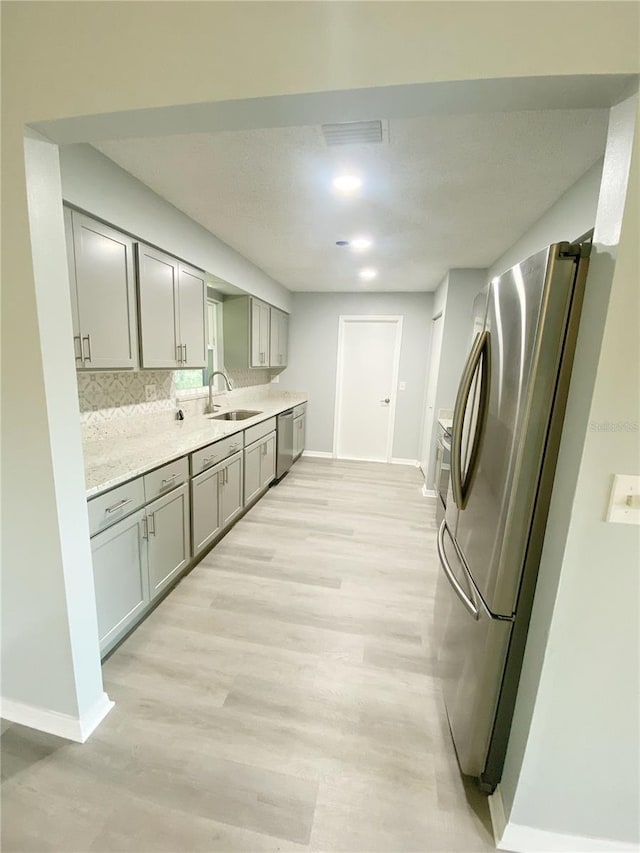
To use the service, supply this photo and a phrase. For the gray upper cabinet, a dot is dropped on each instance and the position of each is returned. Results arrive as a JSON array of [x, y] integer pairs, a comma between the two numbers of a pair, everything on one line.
[[101, 276], [168, 538], [247, 331], [279, 344], [171, 299], [193, 317]]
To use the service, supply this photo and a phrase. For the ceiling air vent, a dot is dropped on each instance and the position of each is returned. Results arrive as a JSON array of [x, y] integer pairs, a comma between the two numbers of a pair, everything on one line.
[[353, 132]]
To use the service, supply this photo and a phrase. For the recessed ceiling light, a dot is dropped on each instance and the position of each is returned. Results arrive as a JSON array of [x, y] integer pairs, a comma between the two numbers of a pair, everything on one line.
[[347, 183], [368, 273], [361, 243]]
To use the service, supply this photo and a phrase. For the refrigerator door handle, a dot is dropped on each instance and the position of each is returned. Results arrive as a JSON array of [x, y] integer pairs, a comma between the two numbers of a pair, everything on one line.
[[459, 591], [479, 357]]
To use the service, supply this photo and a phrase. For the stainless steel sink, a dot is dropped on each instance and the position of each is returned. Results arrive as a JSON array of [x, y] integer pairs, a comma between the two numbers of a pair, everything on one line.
[[237, 415]]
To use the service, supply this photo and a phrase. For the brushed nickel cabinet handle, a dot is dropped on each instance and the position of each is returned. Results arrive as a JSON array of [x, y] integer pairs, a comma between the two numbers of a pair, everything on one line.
[[76, 340], [152, 517], [168, 480], [178, 353], [118, 506], [208, 460], [184, 347], [145, 529], [86, 338]]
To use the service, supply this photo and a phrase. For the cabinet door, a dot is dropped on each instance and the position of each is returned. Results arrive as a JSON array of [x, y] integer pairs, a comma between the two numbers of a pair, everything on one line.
[[191, 309], [104, 285], [158, 299], [268, 460], [168, 542], [257, 315], [283, 340], [73, 286], [265, 332], [274, 337], [252, 475], [205, 507], [298, 435], [120, 577], [231, 490]]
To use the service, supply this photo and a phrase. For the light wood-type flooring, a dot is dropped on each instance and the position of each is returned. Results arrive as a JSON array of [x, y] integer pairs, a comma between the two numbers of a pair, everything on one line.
[[284, 697]]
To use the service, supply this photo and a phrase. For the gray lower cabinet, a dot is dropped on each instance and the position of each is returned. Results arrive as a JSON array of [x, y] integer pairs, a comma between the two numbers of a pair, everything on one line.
[[299, 428], [137, 557], [231, 493], [120, 576], [216, 499], [259, 466], [168, 543], [205, 508]]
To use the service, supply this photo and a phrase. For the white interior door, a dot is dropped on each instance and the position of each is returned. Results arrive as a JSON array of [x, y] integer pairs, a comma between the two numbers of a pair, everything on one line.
[[426, 452], [366, 387]]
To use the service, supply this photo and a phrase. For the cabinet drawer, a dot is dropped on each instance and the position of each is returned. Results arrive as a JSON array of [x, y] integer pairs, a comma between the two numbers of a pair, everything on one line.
[[214, 453], [162, 480], [259, 430], [299, 410], [115, 504]]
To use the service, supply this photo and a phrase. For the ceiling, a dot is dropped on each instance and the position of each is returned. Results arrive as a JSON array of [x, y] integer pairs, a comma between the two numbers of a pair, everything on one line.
[[440, 192]]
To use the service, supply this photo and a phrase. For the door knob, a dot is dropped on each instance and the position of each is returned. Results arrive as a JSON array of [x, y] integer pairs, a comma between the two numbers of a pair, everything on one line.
[[386, 400]]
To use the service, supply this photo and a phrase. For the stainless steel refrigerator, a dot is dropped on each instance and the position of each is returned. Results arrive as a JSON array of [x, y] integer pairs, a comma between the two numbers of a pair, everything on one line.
[[506, 432]]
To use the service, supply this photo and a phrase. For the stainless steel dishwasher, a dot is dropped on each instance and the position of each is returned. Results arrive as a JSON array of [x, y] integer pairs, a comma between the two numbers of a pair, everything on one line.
[[285, 443]]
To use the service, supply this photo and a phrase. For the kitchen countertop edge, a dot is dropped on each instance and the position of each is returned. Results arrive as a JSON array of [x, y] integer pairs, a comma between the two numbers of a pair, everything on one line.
[[163, 459]]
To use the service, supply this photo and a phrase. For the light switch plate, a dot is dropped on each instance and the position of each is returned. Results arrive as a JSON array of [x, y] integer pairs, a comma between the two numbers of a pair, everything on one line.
[[150, 392], [624, 503], [403, 386]]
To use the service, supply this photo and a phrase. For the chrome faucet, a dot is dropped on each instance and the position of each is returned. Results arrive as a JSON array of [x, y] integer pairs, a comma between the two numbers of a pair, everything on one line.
[[210, 405]]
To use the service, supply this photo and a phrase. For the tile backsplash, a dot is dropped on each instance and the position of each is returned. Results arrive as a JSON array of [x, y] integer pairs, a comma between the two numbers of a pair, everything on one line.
[[106, 395]]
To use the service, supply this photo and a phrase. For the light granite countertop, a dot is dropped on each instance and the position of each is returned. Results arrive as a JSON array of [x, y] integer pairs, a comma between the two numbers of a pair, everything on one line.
[[146, 443]]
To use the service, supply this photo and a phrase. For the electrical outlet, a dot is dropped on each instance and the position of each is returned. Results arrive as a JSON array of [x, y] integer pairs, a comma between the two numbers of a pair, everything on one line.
[[150, 392]]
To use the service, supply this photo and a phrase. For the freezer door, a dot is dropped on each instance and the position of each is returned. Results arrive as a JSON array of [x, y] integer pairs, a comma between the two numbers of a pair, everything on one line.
[[526, 321], [472, 648]]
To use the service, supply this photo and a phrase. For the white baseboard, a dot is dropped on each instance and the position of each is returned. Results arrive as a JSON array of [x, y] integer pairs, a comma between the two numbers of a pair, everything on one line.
[[399, 461], [517, 838], [318, 454], [62, 725], [428, 493]]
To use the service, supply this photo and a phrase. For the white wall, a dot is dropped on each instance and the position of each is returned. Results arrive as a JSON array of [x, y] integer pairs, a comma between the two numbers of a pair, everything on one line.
[[313, 350], [572, 215], [98, 185], [572, 762]]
